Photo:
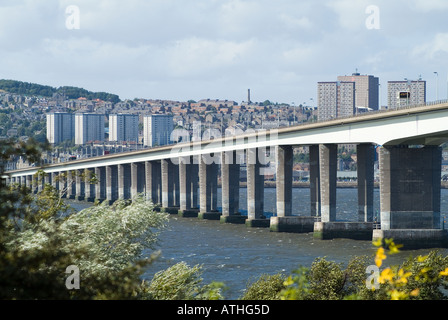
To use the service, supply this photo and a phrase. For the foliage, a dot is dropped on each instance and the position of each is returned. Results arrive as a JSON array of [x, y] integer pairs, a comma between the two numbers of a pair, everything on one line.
[[421, 277], [180, 282], [325, 280], [41, 236], [266, 287], [33, 89]]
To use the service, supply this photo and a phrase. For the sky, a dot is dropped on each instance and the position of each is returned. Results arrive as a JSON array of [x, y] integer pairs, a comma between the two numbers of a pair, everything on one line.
[[218, 49]]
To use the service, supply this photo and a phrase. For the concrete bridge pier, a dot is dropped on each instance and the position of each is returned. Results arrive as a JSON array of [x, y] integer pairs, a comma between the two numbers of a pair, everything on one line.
[[208, 187], [230, 184], [410, 196], [153, 182], [255, 190], [169, 171], [137, 179], [124, 181], [328, 227], [186, 175], [71, 185], [89, 187], [100, 187], [285, 221], [80, 185], [54, 180], [111, 183]]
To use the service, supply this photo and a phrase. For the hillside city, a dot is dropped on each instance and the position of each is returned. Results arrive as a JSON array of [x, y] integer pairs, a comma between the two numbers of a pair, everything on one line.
[[23, 116]]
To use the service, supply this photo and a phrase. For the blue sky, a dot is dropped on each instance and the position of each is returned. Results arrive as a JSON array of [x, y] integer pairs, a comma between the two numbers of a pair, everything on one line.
[[217, 49]]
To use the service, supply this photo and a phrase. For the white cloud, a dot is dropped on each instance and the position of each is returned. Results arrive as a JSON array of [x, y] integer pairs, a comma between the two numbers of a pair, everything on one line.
[[279, 49]]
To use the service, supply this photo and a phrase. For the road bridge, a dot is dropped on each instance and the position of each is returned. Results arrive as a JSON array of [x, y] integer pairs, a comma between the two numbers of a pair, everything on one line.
[[183, 178]]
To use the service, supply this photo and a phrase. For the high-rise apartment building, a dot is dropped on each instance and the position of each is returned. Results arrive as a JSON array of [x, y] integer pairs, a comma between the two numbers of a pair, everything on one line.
[[405, 93], [366, 90], [89, 127], [157, 129], [123, 127], [335, 99], [60, 127]]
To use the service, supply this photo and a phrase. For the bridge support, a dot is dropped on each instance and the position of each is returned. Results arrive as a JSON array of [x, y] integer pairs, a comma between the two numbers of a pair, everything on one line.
[[208, 188], [255, 190], [111, 184], [230, 183], [186, 177], [153, 182], [328, 156], [328, 227], [100, 187], [410, 196], [365, 161], [89, 187], [137, 178], [124, 181], [285, 221], [170, 180]]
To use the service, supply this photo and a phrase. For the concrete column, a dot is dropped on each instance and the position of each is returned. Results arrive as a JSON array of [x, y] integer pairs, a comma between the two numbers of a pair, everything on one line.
[[365, 160], [174, 173], [111, 183], [284, 177], [137, 178], [410, 187], [230, 188], [328, 156], [71, 185], [100, 187], [314, 180], [124, 181], [194, 168], [153, 182], [255, 186], [89, 187], [47, 179], [80, 185], [208, 186], [23, 181], [55, 180], [170, 183], [39, 180], [186, 174]]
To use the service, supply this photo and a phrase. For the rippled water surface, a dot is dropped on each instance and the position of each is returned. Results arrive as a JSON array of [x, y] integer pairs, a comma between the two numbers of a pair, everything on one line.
[[235, 254]]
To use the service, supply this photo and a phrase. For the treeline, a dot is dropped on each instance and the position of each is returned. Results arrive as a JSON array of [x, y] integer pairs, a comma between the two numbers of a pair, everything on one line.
[[33, 89]]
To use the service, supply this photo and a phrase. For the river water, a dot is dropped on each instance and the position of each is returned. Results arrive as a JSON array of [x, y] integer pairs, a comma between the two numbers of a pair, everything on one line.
[[234, 254]]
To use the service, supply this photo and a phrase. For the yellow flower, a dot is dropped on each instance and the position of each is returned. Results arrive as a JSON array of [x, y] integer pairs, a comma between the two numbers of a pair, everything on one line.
[[421, 258], [415, 292], [444, 272], [403, 276], [386, 275], [397, 295], [288, 281], [380, 256], [378, 242]]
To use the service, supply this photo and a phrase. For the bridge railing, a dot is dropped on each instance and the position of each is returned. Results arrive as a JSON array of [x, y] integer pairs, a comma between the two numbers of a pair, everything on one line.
[[413, 106]]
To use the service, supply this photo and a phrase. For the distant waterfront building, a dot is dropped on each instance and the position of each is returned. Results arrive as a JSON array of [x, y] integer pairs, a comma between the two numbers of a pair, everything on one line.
[[60, 127], [366, 90], [403, 93], [157, 129], [89, 127], [123, 127], [335, 99]]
